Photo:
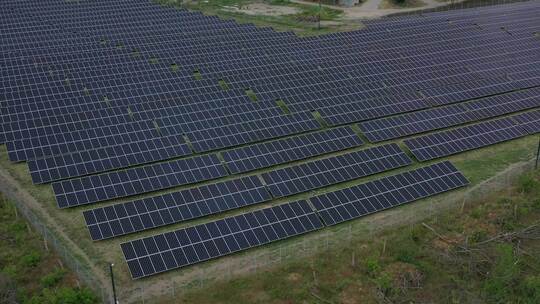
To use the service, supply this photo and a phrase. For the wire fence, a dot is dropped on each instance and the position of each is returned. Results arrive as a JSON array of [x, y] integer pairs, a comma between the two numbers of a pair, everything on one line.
[[340, 237], [83, 273]]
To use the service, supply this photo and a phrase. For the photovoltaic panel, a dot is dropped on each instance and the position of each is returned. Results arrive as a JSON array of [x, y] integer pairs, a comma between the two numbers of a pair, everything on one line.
[[530, 121], [415, 122], [45, 170], [505, 103], [332, 170], [290, 149], [456, 114], [183, 247], [252, 131], [466, 138], [354, 202], [148, 213], [95, 188]]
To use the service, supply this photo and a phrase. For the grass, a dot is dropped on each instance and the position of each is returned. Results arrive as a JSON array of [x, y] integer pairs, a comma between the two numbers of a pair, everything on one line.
[[251, 95], [303, 22], [29, 272], [413, 264]]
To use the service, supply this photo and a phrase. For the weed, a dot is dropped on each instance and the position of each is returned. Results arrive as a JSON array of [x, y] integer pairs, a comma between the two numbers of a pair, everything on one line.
[[372, 266], [251, 94], [31, 259], [528, 184], [53, 278], [502, 274]]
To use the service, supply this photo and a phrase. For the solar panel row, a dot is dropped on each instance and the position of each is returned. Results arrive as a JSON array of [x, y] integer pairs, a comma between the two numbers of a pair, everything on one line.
[[343, 205], [465, 138], [324, 172], [438, 118], [124, 218], [290, 149], [196, 244], [95, 188], [183, 247]]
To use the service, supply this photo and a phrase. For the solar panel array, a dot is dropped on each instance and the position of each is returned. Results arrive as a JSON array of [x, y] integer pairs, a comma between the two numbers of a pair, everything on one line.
[[466, 138], [112, 99], [199, 243], [195, 244], [343, 205], [333, 170], [174, 207]]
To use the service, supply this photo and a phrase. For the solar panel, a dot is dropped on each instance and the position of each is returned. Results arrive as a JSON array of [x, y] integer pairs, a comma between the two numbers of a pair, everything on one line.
[[332, 170], [357, 201], [45, 170], [530, 121], [175, 207], [95, 188], [416, 122], [437, 118], [183, 247], [252, 131], [463, 139], [290, 149]]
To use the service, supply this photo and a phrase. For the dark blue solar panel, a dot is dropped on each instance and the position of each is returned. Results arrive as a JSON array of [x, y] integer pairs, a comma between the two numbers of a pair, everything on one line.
[[95, 188], [357, 201], [290, 149], [332, 170], [463, 139], [143, 214], [219, 238]]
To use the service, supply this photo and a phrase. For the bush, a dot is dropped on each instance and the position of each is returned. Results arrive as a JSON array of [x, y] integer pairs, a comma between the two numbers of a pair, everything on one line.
[[31, 260], [530, 290], [53, 278], [384, 284], [503, 274], [372, 266], [478, 236], [8, 291], [528, 184], [64, 296]]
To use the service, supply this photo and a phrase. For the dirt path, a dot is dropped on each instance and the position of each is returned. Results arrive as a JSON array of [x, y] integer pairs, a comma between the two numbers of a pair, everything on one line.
[[11, 189], [370, 9]]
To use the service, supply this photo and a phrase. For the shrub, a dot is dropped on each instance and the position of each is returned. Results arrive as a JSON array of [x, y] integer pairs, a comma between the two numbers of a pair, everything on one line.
[[8, 291], [530, 289], [384, 284], [503, 273], [64, 296], [31, 259], [53, 278], [528, 184], [478, 236], [372, 266]]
